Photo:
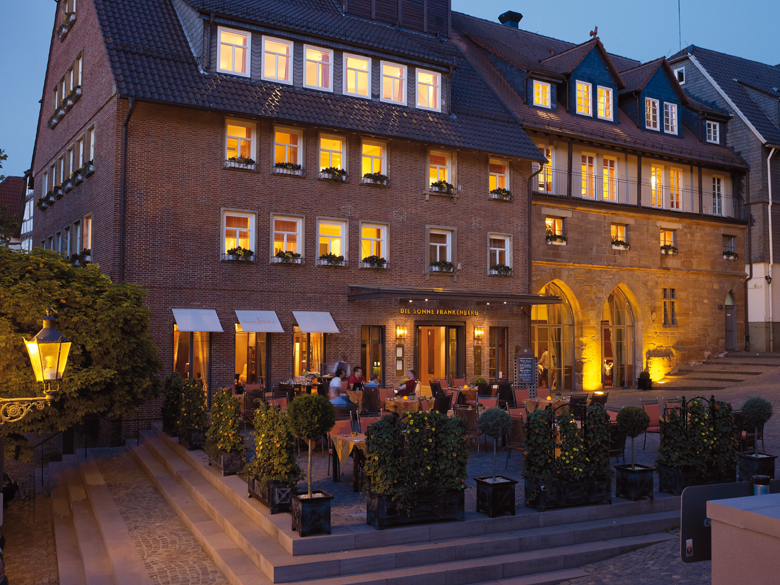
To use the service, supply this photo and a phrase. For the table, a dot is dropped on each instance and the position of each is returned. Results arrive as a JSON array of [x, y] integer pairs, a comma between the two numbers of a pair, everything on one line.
[[343, 447], [401, 406], [532, 405], [356, 396], [469, 393]]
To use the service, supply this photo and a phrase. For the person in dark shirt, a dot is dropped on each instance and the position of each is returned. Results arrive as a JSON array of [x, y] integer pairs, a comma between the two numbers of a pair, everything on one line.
[[409, 386]]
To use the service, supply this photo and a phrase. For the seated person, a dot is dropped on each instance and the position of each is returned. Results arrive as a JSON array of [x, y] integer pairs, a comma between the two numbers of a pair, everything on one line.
[[409, 386], [373, 382], [357, 377], [334, 391]]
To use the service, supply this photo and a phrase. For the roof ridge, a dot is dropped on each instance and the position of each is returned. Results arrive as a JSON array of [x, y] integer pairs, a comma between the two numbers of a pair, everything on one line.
[[657, 60], [569, 50]]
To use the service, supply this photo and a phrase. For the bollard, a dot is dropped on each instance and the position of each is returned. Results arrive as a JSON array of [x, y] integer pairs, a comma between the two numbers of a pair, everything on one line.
[[760, 485]]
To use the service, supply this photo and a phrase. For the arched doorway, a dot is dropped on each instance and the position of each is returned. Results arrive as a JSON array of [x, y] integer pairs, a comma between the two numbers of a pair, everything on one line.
[[552, 338], [731, 323], [617, 342]]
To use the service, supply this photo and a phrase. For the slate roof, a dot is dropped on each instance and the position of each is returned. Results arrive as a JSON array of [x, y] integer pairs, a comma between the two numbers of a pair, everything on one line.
[[12, 193], [568, 61], [637, 78], [705, 108], [729, 72], [151, 60]]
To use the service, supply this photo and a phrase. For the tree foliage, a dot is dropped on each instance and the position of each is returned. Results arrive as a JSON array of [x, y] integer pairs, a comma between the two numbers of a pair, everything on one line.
[[112, 364], [174, 384], [275, 458], [193, 408], [224, 433]]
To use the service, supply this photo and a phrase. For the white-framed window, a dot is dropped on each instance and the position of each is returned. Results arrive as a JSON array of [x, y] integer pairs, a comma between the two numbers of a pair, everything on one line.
[[277, 60], [80, 151], [239, 140], [235, 48], [553, 226], [238, 230], [45, 182], [27, 218], [542, 97], [440, 245], [428, 90], [679, 74], [373, 157], [670, 118], [79, 236], [668, 237], [288, 144], [609, 176], [713, 132], [717, 195], [675, 189], [604, 103], [588, 176], [498, 171], [729, 243], [584, 99], [52, 177], [77, 71], [318, 68], [545, 178], [357, 76], [618, 232], [287, 234], [651, 114], [373, 240], [58, 242], [66, 243], [91, 144], [27, 244], [656, 186], [331, 237], [333, 152], [499, 250], [70, 160], [63, 176], [440, 166], [393, 83], [88, 232]]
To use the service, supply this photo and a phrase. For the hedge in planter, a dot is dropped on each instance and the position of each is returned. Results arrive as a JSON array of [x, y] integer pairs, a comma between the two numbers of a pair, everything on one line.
[[275, 472], [171, 407], [193, 418], [419, 477], [757, 413], [495, 495], [633, 481], [224, 443]]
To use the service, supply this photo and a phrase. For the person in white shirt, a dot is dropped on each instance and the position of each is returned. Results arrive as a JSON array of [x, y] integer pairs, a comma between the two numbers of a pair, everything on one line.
[[544, 364]]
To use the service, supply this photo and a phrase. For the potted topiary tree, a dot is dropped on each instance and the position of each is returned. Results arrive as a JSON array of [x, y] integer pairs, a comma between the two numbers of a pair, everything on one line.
[[311, 416], [644, 382], [496, 494], [224, 443], [193, 419], [275, 472], [756, 412], [633, 481], [171, 407]]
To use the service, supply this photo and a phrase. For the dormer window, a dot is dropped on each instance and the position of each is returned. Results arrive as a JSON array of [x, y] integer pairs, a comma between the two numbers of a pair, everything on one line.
[[605, 103], [670, 118], [713, 132], [584, 91], [541, 94], [318, 72], [276, 60], [357, 76], [679, 74], [234, 47], [428, 90], [393, 83], [651, 114]]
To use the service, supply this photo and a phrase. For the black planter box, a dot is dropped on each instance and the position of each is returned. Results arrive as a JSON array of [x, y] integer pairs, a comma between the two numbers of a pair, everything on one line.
[[276, 496], [750, 465], [495, 499], [228, 462], [193, 439], [644, 384], [674, 480], [559, 494], [383, 512], [169, 427], [634, 483], [311, 515]]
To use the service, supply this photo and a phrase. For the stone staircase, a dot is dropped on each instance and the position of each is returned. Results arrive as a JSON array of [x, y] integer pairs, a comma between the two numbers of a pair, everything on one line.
[[252, 547], [719, 373]]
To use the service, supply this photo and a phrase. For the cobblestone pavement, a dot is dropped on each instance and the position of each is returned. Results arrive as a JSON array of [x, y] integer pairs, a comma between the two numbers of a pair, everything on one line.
[[168, 550]]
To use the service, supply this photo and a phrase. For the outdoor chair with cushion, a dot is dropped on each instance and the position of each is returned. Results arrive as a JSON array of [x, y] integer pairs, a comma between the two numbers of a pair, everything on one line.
[[344, 386], [469, 416], [366, 421], [371, 402], [484, 390], [617, 443], [281, 402], [435, 388], [747, 440], [444, 384], [518, 411], [442, 403], [489, 402], [521, 395], [653, 410], [516, 438], [384, 394], [578, 405], [424, 405], [459, 383], [457, 399], [613, 411], [671, 404]]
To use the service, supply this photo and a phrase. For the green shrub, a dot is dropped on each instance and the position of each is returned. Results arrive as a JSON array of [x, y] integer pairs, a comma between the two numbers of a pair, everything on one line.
[[757, 413], [311, 416], [275, 448], [633, 421], [480, 380], [224, 433], [172, 403], [193, 408]]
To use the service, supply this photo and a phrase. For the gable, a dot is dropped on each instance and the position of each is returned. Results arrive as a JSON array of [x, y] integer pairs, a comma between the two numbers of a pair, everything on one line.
[[659, 87], [594, 69]]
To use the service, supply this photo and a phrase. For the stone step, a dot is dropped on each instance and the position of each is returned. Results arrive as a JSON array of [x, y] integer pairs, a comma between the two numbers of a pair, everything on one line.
[[551, 578], [729, 372], [766, 365], [752, 355], [69, 566]]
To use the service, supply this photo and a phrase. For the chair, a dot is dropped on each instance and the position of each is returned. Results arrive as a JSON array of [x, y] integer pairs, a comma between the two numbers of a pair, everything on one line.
[[371, 400], [516, 438], [444, 384], [469, 416], [442, 403], [342, 427], [484, 390], [435, 388], [457, 399], [424, 406], [344, 386], [747, 440], [281, 402], [459, 382], [671, 404], [521, 395], [489, 402], [653, 410], [613, 411], [519, 411], [617, 442], [599, 398], [366, 421], [578, 405], [385, 394]]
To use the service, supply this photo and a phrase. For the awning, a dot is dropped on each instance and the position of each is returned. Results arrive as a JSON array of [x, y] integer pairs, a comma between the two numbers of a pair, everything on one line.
[[315, 322], [197, 320], [259, 321], [357, 293]]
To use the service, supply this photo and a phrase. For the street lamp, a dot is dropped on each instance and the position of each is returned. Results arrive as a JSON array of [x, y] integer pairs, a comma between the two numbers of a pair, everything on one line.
[[48, 352]]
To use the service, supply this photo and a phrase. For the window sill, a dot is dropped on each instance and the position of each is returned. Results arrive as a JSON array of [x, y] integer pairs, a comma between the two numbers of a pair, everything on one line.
[[234, 258], [492, 272], [556, 243], [373, 183], [367, 266], [287, 172], [497, 197], [616, 247], [235, 166], [67, 24], [292, 262], [332, 178], [326, 264]]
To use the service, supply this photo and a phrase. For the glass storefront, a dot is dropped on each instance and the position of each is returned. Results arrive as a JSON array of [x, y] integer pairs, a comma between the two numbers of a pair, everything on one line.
[[251, 357], [617, 335], [308, 352], [192, 355], [372, 351], [552, 336]]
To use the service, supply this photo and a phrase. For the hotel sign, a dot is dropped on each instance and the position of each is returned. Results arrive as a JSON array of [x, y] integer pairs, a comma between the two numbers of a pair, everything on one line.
[[440, 312]]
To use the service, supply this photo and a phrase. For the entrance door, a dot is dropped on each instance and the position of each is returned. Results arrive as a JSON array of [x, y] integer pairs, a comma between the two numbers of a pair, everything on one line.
[[441, 353], [731, 324], [617, 337]]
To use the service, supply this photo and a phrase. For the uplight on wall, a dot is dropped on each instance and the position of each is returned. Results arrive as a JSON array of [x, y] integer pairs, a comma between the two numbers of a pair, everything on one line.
[[400, 332]]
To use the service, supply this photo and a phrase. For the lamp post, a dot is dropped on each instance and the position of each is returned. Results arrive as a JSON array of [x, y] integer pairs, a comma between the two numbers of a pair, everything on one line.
[[48, 352]]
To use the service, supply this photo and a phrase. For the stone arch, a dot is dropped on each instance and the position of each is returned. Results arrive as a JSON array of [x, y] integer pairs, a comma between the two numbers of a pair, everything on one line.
[[617, 325]]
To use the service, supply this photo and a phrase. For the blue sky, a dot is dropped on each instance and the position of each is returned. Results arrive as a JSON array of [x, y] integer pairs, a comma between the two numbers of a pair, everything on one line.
[[641, 30]]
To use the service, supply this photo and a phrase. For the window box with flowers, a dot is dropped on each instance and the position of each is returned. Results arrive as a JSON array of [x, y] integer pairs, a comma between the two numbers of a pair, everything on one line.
[[500, 270], [500, 194], [241, 162], [81, 259], [69, 100], [442, 187], [556, 239], [442, 266], [67, 23], [282, 257], [669, 250], [45, 202], [68, 185], [374, 262], [239, 254], [77, 177], [224, 444], [333, 174], [330, 259], [282, 168], [729, 255], [88, 168], [620, 245], [57, 191], [375, 179], [55, 118]]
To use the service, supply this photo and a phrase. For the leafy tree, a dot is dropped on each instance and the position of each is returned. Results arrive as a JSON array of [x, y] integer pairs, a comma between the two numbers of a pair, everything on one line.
[[310, 417], [633, 421], [7, 225], [224, 434], [112, 364], [3, 156], [495, 423]]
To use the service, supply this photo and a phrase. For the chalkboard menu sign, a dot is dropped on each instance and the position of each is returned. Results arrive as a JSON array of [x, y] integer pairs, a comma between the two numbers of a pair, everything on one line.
[[527, 369]]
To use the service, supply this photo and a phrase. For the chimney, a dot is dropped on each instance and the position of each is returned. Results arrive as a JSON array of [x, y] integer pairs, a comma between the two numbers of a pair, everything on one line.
[[510, 18]]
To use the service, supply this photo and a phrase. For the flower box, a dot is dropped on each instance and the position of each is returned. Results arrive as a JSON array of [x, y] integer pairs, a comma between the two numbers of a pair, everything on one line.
[[384, 266], [276, 260], [383, 512], [324, 262], [444, 269], [228, 462], [77, 178], [442, 190], [669, 251], [332, 176], [751, 464], [374, 182], [53, 121], [193, 439], [89, 169], [500, 270], [496, 499], [286, 171], [246, 166], [42, 204], [621, 247], [560, 494], [311, 515], [556, 242], [731, 256], [237, 258], [634, 483], [57, 191], [500, 196], [68, 186], [674, 480], [277, 495]]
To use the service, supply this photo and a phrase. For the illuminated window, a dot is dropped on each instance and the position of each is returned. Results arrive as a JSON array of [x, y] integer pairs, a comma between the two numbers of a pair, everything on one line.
[[584, 98], [287, 146], [499, 174], [87, 238], [239, 141], [675, 189], [357, 76], [331, 238], [276, 60], [440, 245], [670, 118], [428, 90], [667, 237], [670, 309], [553, 226], [238, 231], [588, 176], [609, 179], [605, 103], [545, 178], [618, 232], [393, 83], [651, 114], [234, 50], [308, 352], [541, 94], [713, 132], [373, 240], [656, 186], [440, 168], [288, 234], [332, 153], [318, 73], [499, 251], [374, 157], [251, 357]]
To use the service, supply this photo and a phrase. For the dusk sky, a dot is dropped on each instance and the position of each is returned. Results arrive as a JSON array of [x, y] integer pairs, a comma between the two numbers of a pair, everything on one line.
[[639, 30]]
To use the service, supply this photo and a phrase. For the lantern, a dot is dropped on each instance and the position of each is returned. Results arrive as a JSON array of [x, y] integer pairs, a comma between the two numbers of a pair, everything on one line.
[[48, 354]]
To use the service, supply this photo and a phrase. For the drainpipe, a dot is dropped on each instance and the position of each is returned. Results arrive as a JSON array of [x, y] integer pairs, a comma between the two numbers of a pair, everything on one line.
[[771, 248], [123, 192], [530, 254]]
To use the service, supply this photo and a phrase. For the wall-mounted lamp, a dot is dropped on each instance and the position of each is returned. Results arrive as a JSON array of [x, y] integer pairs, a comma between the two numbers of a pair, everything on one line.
[[768, 279], [479, 333], [652, 316], [400, 332]]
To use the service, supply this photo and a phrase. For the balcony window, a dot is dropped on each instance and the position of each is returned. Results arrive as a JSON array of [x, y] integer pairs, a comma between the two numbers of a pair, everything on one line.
[[656, 186], [588, 176], [318, 72], [393, 83], [332, 152], [713, 132], [288, 234], [670, 118], [499, 174], [238, 231], [357, 76], [541, 94], [609, 179], [428, 90], [276, 60], [234, 48], [373, 241], [651, 114], [545, 178], [331, 238], [675, 189], [239, 142], [605, 103], [584, 91], [717, 196]]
